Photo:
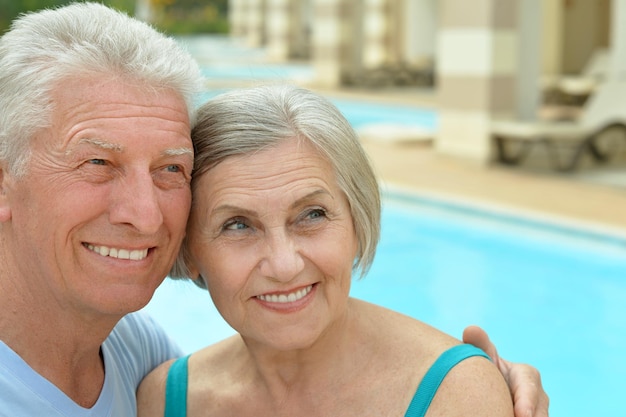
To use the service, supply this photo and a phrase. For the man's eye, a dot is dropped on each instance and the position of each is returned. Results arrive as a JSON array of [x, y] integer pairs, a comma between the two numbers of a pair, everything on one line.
[[96, 161], [174, 168]]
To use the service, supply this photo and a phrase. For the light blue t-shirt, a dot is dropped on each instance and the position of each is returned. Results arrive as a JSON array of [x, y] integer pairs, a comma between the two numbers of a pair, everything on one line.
[[136, 346]]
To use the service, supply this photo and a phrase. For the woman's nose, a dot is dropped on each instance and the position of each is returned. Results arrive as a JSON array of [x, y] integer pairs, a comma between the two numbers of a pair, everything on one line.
[[282, 260]]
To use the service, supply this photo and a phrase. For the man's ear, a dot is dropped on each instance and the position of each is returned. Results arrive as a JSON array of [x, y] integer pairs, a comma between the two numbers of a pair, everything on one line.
[[5, 186]]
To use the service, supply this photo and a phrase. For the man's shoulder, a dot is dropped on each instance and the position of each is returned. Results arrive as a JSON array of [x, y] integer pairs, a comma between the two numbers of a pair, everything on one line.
[[137, 321], [139, 331], [137, 345]]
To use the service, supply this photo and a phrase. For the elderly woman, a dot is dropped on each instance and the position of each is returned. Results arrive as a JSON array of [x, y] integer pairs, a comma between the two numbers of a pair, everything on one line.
[[286, 209]]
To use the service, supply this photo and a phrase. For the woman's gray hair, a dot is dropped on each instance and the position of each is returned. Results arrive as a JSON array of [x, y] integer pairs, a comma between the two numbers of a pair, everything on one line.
[[47, 47], [245, 121]]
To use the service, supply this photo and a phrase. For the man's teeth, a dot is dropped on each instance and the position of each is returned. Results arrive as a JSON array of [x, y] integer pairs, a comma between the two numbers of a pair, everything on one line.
[[286, 298], [134, 255]]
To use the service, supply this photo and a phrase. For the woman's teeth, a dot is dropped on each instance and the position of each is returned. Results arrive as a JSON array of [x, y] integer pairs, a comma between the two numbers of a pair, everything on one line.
[[286, 298]]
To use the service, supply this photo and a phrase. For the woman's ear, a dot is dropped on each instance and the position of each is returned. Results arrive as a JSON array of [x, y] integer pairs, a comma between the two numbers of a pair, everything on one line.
[[193, 272], [6, 181], [190, 265], [200, 282]]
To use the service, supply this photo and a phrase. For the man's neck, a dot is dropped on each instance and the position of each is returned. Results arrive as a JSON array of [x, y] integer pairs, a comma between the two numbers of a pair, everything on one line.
[[60, 345]]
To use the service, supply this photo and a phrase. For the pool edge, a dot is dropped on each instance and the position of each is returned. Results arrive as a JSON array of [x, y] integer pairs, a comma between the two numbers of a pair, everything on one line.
[[505, 213]]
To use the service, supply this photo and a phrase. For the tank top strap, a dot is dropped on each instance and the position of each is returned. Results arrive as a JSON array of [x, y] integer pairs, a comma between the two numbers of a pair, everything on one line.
[[176, 388], [435, 375]]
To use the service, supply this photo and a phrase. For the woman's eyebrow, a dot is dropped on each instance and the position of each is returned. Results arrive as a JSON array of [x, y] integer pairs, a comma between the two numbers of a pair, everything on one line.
[[310, 196]]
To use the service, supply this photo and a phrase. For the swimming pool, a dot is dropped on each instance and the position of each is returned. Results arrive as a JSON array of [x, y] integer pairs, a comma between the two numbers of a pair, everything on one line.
[[549, 294]]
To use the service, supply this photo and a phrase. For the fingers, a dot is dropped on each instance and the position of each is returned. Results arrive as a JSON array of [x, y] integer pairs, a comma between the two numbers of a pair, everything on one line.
[[476, 336], [543, 406], [529, 397]]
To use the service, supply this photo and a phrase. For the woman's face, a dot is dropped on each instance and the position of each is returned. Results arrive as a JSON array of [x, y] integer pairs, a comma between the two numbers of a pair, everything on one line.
[[272, 235]]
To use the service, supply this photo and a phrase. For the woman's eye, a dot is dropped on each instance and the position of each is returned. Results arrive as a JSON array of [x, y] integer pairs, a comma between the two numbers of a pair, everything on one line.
[[315, 214], [235, 224]]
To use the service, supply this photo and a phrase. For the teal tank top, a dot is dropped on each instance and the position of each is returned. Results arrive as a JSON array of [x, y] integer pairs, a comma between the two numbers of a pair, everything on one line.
[[176, 384]]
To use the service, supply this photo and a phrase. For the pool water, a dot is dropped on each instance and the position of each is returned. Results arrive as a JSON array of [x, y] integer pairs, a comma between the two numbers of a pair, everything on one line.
[[553, 296], [360, 113]]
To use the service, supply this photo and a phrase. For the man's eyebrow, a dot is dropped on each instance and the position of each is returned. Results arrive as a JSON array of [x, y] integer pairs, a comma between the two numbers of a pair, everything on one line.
[[119, 148], [178, 152], [102, 144]]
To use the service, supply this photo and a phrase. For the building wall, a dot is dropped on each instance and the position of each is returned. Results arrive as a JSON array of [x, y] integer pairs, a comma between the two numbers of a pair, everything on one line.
[[585, 28]]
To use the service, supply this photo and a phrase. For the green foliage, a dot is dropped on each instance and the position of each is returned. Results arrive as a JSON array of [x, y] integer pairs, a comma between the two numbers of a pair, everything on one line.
[[171, 16], [191, 16]]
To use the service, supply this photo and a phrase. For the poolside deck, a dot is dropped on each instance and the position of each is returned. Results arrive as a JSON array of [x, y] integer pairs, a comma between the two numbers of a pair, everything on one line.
[[591, 197]]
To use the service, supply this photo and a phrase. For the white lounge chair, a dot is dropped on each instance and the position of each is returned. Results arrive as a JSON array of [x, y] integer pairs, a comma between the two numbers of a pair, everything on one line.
[[580, 86], [603, 121]]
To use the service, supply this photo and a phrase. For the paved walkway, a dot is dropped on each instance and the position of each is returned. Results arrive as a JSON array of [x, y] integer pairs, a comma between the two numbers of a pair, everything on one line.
[[420, 168]]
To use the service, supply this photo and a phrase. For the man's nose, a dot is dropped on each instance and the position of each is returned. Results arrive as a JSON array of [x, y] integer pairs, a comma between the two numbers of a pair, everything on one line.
[[136, 202]]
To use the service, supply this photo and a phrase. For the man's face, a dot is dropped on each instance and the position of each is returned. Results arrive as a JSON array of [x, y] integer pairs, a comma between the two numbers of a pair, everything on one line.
[[98, 218]]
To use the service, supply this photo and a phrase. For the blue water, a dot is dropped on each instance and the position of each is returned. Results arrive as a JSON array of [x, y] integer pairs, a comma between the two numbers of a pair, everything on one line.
[[361, 113], [551, 296], [265, 72]]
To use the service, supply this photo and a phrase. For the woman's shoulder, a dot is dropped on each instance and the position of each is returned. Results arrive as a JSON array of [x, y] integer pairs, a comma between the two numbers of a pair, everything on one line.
[[205, 377], [218, 354], [474, 386], [151, 391], [410, 345], [396, 328], [214, 374]]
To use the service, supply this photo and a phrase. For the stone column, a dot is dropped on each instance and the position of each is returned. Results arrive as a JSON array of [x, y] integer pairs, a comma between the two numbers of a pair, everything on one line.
[[477, 60], [255, 23], [333, 48], [420, 30], [288, 29], [279, 28], [376, 33], [237, 17]]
